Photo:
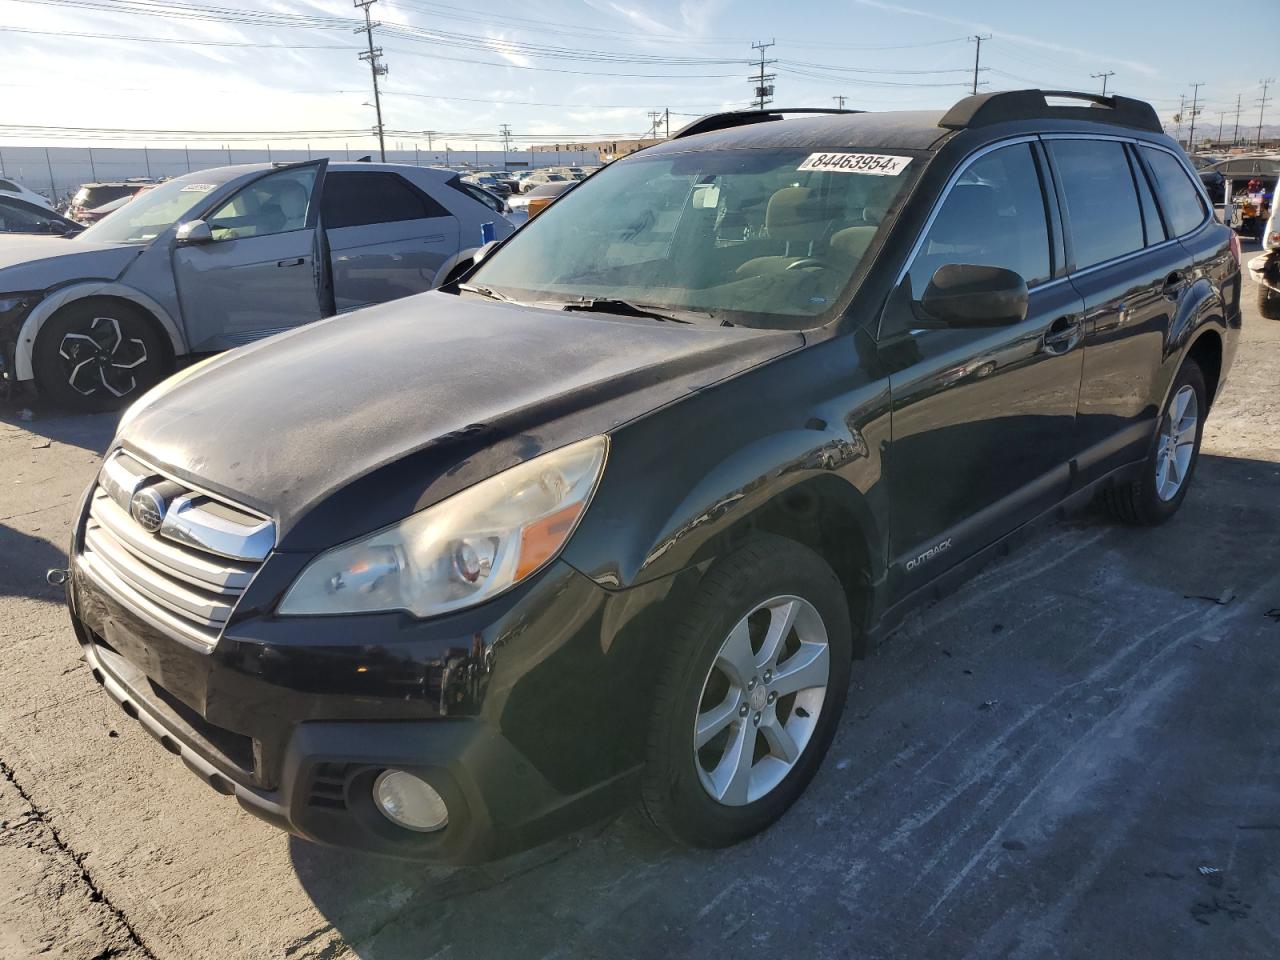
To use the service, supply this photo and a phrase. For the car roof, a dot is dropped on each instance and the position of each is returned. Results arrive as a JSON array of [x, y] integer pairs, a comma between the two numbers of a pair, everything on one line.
[[1028, 111]]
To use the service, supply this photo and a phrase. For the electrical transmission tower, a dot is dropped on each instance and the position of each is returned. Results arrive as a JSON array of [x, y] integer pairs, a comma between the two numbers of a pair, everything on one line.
[[763, 81], [373, 56]]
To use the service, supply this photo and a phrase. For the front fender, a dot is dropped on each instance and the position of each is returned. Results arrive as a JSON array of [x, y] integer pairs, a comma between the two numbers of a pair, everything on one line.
[[55, 301], [795, 444]]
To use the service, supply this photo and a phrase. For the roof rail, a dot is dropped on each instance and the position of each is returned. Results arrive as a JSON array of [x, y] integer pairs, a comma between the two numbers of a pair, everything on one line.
[[988, 108], [739, 118]]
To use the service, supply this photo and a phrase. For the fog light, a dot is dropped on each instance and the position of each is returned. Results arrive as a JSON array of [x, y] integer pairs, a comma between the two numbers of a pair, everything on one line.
[[409, 802]]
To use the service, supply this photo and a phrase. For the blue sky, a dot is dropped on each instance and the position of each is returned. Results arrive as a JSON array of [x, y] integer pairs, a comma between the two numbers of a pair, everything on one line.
[[556, 69]]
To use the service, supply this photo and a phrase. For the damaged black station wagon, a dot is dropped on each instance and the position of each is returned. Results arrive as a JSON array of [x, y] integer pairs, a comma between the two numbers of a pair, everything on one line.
[[609, 519]]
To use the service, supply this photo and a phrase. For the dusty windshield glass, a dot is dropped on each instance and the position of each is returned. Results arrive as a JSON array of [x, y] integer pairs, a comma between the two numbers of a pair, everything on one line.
[[757, 237], [142, 219]]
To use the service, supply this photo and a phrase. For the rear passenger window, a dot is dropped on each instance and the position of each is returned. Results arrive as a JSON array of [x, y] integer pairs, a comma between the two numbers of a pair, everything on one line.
[[1150, 212], [360, 199], [1101, 201], [1183, 206], [993, 216]]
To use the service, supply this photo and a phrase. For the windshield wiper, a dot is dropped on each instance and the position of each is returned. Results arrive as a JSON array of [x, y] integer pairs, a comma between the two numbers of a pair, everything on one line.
[[626, 308], [485, 292]]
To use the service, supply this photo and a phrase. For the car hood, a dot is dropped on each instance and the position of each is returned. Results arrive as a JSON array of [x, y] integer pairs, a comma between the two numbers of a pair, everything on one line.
[[37, 263], [349, 424]]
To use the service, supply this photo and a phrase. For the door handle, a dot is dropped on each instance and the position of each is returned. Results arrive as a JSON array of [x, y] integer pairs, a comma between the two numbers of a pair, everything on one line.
[[1173, 284], [1062, 335], [295, 262]]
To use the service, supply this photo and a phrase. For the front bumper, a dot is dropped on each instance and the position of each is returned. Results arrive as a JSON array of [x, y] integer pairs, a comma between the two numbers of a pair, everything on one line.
[[1265, 270], [526, 714]]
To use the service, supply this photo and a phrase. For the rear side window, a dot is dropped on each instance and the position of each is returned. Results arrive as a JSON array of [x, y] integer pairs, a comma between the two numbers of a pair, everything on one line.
[[1150, 212], [361, 199], [1183, 206], [477, 193], [993, 216], [1101, 201]]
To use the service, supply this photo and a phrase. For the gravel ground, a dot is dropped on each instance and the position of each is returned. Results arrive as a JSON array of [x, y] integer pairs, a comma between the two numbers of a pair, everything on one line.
[[1075, 756]]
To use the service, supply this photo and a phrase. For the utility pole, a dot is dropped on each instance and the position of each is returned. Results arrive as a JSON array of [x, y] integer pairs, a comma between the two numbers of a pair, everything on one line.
[[977, 56], [1103, 75], [431, 136], [764, 89], [1195, 109], [1235, 136], [1262, 106], [666, 117], [655, 117], [376, 68], [1222, 116], [1182, 108], [506, 143], [840, 101]]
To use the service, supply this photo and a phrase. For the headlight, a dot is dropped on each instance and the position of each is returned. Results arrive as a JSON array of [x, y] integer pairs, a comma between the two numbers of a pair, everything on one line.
[[1273, 240], [462, 551]]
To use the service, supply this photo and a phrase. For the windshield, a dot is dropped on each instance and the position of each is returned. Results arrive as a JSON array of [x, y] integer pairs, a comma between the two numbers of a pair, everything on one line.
[[142, 219], [757, 237]]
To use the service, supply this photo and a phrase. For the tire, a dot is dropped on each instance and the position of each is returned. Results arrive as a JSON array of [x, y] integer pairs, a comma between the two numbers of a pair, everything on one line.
[[1149, 500], [1268, 303], [96, 355], [673, 794]]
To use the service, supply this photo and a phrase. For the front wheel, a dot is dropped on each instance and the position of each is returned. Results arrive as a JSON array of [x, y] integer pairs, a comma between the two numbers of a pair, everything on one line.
[[97, 355], [751, 695], [1158, 493]]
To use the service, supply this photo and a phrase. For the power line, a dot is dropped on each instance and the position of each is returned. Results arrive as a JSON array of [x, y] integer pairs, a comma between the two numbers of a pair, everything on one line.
[[1195, 110], [376, 69], [1262, 106], [764, 89], [977, 38]]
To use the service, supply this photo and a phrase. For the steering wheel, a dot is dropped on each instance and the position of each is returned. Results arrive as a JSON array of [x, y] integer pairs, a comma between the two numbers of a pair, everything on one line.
[[806, 262]]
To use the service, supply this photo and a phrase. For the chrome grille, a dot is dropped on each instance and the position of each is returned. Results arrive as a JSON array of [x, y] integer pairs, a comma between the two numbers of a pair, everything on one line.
[[176, 556]]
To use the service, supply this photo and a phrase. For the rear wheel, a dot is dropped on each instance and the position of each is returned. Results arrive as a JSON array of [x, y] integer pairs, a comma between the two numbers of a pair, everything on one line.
[[97, 355], [1159, 491], [751, 695], [1268, 303]]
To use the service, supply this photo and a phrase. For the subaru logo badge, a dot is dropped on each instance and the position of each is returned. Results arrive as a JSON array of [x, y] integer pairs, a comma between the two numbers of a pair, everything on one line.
[[147, 508]]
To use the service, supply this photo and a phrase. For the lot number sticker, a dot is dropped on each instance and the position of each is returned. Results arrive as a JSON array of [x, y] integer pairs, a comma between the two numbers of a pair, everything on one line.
[[876, 164]]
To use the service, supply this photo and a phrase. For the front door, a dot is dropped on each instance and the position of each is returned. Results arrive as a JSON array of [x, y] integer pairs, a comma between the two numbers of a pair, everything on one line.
[[983, 418], [260, 273]]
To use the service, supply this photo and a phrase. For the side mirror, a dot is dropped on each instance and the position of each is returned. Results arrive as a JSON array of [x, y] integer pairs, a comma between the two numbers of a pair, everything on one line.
[[483, 252], [969, 295], [194, 231]]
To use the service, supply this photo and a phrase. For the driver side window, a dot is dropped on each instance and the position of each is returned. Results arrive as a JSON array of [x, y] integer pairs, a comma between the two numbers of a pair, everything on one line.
[[277, 203], [993, 216]]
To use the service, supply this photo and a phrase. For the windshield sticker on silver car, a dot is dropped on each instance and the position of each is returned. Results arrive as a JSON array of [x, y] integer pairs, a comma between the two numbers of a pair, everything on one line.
[[198, 188], [876, 164]]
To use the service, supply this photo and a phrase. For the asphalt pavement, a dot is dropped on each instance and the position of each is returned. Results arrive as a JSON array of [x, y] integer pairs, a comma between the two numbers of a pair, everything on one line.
[[1076, 755]]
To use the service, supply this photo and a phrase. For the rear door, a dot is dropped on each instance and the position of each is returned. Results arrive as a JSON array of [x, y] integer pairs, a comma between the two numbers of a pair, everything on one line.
[[259, 274], [1131, 274], [983, 418], [386, 237]]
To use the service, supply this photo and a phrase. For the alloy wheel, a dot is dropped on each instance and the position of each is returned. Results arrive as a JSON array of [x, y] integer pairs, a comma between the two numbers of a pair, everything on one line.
[[760, 700], [1177, 442], [100, 357]]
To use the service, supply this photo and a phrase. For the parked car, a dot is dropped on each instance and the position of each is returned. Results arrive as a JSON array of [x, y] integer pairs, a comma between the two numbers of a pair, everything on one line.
[[491, 183], [19, 216], [88, 217], [91, 196], [609, 519], [539, 196], [222, 257], [11, 188], [1265, 268]]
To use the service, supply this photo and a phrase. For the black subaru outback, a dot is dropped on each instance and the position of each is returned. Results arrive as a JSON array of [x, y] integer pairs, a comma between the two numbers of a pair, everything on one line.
[[610, 519]]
